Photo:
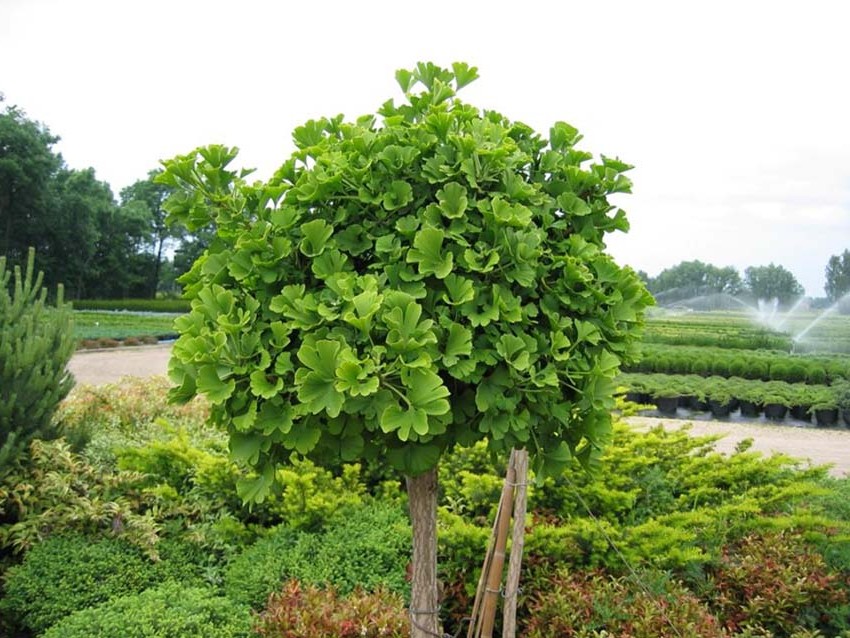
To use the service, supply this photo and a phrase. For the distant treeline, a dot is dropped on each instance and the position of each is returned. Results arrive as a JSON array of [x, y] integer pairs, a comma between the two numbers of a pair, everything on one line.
[[695, 279], [97, 246]]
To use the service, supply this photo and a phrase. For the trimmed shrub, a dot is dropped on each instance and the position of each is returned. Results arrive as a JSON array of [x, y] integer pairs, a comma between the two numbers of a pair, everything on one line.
[[262, 567], [168, 611], [310, 612], [368, 548], [67, 573]]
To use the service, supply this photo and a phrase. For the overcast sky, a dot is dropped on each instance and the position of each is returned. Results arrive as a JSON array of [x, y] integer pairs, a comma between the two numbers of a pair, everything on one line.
[[735, 114]]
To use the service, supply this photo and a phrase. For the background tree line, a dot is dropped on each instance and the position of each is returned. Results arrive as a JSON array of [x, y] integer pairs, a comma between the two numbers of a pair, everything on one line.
[[690, 279], [97, 246]]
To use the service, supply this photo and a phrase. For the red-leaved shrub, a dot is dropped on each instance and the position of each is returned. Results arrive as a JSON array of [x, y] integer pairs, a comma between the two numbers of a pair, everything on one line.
[[309, 612], [583, 604], [777, 583]]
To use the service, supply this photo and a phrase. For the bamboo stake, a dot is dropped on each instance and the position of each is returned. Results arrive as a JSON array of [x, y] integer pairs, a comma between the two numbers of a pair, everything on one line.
[[494, 577], [475, 616], [517, 545]]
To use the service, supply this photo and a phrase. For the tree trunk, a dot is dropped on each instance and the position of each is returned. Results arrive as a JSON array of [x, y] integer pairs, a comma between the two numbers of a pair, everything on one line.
[[424, 599], [157, 266]]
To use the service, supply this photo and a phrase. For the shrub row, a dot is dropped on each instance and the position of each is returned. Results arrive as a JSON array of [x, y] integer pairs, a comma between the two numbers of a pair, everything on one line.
[[751, 364], [136, 305], [719, 331], [724, 394]]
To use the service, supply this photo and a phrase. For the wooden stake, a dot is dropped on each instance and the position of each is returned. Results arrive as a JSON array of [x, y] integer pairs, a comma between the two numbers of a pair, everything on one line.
[[492, 589], [517, 545]]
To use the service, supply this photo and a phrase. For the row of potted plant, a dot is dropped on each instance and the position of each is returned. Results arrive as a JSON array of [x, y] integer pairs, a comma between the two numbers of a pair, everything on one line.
[[721, 396], [750, 364]]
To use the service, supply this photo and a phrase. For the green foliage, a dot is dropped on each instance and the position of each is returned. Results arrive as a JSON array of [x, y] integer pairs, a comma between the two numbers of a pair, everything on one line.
[[67, 573], [310, 612], [595, 605], [164, 612], [35, 347], [400, 287], [261, 568], [368, 547]]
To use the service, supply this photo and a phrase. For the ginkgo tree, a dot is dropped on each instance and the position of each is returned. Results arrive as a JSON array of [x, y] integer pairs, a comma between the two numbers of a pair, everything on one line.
[[425, 277]]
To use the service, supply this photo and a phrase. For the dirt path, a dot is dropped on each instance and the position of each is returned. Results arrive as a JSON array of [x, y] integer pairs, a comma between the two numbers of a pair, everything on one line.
[[818, 445]]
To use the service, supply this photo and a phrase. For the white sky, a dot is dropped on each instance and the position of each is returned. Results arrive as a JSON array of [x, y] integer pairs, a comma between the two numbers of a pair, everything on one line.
[[736, 114]]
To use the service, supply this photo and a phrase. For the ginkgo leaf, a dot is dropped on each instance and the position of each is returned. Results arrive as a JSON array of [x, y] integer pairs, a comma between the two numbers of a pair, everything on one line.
[[452, 198], [315, 236], [404, 421], [428, 253], [264, 385], [210, 384], [397, 195], [458, 290], [330, 262], [458, 344], [426, 391], [315, 383]]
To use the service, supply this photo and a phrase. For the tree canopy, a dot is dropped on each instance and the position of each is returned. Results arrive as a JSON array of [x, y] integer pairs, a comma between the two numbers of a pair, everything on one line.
[[838, 276], [403, 284], [772, 282], [695, 278]]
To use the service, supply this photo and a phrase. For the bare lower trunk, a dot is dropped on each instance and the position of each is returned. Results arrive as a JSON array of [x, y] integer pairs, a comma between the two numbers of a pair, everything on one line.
[[424, 599]]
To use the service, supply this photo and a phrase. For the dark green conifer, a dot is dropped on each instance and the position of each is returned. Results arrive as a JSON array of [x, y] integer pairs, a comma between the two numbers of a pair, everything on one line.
[[35, 346]]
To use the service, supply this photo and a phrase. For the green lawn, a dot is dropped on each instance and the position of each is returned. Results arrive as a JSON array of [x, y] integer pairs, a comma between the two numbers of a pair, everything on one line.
[[90, 324]]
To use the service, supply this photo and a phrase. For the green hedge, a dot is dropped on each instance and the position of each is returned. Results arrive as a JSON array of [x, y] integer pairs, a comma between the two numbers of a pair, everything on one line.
[[135, 305], [170, 611], [368, 548], [67, 573]]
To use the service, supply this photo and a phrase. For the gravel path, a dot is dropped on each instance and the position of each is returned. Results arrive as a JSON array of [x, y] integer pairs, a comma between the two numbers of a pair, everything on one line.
[[818, 445]]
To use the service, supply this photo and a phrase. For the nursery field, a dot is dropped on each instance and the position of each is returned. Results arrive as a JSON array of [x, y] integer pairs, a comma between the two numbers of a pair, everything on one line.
[[792, 369], [95, 325], [134, 519]]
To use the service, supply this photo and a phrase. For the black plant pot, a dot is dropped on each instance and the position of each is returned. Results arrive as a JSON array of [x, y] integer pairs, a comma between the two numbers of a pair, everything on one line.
[[801, 412], [775, 411], [697, 405], [686, 401], [734, 405], [750, 409], [719, 410], [846, 416], [667, 405], [826, 417], [634, 397]]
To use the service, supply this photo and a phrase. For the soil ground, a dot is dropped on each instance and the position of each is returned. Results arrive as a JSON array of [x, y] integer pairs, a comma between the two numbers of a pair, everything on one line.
[[817, 445]]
